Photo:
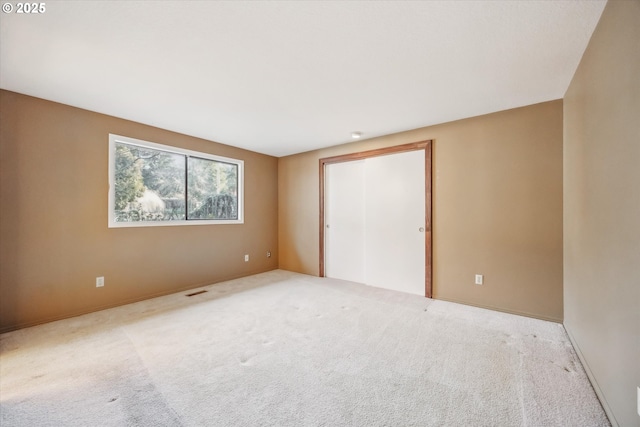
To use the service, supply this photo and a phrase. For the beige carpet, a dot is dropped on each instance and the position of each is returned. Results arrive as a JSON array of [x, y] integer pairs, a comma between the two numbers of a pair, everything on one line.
[[284, 349]]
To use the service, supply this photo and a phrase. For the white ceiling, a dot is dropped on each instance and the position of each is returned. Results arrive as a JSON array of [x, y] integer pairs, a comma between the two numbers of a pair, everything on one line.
[[282, 77]]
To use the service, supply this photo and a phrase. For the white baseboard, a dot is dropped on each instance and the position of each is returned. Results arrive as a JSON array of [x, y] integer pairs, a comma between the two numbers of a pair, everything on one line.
[[592, 379]]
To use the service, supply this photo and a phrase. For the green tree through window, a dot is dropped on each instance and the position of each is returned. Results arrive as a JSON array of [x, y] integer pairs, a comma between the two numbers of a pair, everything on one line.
[[154, 185], [212, 189]]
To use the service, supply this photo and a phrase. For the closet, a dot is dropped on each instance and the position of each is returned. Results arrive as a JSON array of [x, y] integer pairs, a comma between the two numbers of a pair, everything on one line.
[[377, 218]]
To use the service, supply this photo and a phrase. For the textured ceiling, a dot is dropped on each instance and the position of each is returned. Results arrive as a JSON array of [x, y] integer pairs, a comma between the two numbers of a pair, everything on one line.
[[285, 77]]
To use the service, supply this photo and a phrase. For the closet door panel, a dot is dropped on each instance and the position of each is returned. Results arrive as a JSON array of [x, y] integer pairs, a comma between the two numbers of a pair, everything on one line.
[[394, 218], [344, 219]]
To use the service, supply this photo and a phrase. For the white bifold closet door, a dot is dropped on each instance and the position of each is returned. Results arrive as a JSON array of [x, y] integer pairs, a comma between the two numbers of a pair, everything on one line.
[[375, 213]]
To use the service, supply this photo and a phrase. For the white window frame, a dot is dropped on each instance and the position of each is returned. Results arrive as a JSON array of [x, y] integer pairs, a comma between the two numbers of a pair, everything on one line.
[[113, 139]]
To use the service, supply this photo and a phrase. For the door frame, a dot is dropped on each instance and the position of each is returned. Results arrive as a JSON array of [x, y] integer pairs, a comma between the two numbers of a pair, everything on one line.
[[423, 145]]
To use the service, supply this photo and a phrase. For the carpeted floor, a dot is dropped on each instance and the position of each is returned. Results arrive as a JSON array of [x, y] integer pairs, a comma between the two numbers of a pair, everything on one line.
[[284, 349]]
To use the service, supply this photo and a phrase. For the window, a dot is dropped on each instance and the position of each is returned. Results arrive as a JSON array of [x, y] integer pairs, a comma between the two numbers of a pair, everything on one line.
[[152, 184]]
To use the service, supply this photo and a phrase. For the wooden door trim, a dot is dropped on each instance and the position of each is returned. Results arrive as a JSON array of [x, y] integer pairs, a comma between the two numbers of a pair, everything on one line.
[[423, 145]]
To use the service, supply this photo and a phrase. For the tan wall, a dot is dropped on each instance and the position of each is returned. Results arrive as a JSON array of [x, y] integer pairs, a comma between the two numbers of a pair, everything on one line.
[[602, 209], [497, 208], [53, 223]]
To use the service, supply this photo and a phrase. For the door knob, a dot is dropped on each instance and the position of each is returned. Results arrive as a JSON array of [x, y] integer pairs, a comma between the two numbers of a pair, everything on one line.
[[421, 229]]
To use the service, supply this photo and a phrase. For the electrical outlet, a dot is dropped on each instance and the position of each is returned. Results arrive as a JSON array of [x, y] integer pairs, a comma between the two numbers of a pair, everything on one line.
[[268, 254], [246, 258], [99, 282], [479, 279]]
